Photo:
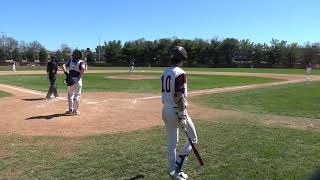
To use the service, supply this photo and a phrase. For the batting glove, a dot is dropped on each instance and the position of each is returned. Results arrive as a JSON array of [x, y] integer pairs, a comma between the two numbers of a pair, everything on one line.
[[182, 118]]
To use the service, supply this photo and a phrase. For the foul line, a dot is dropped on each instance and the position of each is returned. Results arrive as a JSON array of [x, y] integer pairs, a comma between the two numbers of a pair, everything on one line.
[[226, 89], [151, 97], [253, 86], [27, 91], [20, 89]]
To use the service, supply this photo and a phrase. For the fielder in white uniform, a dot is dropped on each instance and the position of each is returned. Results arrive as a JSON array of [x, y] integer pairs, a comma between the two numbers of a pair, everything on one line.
[[76, 68], [131, 66], [14, 66], [174, 112], [309, 68]]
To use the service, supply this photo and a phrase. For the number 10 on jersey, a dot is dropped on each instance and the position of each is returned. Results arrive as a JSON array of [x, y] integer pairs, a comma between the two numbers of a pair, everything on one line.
[[166, 81]]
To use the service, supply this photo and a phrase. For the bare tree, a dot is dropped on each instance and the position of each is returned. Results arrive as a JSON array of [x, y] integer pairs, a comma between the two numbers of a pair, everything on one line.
[[23, 46], [66, 51], [65, 48], [35, 45], [11, 45]]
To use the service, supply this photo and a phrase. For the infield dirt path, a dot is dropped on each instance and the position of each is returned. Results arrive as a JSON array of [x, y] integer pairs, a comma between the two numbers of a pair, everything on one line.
[[28, 113]]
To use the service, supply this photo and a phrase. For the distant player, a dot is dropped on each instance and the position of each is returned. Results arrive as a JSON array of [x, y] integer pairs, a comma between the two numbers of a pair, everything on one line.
[[309, 68], [14, 66], [76, 68], [174, 112], [131, 65], [86, 65]]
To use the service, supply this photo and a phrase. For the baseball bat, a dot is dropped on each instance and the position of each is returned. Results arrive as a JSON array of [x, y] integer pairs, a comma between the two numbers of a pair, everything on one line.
[[195, 150]]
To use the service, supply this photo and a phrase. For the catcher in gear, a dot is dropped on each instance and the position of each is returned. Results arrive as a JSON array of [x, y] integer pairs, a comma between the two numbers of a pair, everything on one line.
[[174, 112], [68, 81], [76, 68]]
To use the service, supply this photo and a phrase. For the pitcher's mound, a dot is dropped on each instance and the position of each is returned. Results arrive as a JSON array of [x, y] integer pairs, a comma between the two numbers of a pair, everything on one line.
[[133, 77]]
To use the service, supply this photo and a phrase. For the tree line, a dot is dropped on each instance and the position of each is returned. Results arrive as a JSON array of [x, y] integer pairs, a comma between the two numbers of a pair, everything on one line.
[[211, 53], [11, 49], [227, 52]]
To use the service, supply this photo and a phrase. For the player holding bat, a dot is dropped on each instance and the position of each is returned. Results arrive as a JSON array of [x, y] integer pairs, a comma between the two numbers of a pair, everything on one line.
[[174, 113]]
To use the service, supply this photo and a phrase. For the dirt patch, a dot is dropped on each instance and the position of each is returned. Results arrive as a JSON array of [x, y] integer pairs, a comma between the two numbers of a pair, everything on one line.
[[132, 77], [7, 154], [100, 113], [28, 113]]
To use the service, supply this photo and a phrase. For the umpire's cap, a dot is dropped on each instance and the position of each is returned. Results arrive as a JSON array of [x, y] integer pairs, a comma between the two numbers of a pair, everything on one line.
[[178, 54]]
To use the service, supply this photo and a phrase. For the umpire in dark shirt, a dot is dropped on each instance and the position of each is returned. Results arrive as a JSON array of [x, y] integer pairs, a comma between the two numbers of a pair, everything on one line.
[[52, 69]]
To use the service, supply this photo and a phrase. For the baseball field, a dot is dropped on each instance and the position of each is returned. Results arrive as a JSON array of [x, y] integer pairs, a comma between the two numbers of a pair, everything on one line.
[[251, 123]]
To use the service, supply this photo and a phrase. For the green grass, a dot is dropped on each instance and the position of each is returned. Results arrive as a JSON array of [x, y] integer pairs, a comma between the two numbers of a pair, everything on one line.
[[43, 68], [4, 94], [256, 70], [291, 100], [249, 70], [231, 150], [98, 82], [126, 68], [23, 68]]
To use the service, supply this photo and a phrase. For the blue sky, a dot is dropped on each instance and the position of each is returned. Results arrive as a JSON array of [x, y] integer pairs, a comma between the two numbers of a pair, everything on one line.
[[79, 23]]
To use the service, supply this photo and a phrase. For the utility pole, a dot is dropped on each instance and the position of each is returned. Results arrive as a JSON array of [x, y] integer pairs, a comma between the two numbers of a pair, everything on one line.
[[99, 47]]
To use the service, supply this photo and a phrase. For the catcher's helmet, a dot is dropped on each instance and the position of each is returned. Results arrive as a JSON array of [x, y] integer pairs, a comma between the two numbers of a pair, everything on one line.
[[77, 53], [178, 54]]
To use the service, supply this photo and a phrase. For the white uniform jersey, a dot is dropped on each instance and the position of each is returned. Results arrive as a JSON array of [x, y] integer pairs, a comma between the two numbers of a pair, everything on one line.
[[75, 67], [173, 80]]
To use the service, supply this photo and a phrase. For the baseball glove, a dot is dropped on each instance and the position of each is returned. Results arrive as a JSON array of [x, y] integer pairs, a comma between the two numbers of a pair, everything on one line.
[[68, 81]]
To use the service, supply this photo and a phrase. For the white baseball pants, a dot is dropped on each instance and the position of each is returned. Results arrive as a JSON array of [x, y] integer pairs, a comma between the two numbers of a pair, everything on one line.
[[74, 94], [169, 116]]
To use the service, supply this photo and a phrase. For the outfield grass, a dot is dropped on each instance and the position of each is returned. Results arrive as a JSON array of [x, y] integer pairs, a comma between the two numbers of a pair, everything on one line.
[[4, 94], [249, 70], [98, 82], [23, 68], [256, 70], [43, 68], [231, 150], [291, 100]]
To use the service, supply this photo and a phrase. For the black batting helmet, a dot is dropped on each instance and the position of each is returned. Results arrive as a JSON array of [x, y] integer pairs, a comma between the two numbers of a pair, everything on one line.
[[77, 52], [178, 54]]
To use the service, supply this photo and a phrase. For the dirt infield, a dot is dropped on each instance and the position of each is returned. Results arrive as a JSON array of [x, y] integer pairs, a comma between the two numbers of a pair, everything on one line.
[[28, 113]]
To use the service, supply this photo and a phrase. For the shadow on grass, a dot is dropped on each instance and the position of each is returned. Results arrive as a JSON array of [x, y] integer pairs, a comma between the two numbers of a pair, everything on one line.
[[34, 99], [47, 117], [139, 176], [315, 175]]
